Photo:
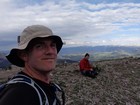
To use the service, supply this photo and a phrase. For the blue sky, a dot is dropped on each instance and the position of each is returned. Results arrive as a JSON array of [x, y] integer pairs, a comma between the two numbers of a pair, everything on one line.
[[78, 22]]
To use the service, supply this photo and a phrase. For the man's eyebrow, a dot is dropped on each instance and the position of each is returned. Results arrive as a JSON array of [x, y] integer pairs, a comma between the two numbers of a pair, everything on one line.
[[38, 42], [53, 41]]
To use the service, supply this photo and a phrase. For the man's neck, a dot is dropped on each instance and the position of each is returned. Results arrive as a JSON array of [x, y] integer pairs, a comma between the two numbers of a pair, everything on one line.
[[42, 76]]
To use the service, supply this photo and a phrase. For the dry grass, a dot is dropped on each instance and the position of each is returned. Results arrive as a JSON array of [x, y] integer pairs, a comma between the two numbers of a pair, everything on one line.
[[117, 84]]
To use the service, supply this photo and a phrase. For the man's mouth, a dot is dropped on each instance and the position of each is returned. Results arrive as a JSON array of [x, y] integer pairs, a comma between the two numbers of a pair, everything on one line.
[[48, 59]]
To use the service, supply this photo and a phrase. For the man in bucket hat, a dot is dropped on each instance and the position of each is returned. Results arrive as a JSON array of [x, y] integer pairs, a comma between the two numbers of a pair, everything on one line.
[[36, 53]]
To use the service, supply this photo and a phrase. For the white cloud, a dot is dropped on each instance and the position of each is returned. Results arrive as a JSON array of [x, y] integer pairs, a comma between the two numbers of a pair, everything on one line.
[[80, 22]]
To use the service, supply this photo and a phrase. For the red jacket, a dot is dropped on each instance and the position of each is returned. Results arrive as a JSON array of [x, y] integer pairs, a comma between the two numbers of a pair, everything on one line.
[[84, 64]]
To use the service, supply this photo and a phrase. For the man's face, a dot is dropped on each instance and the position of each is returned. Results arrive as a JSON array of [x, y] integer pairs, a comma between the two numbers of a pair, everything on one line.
[[42, 56], [87, 57]]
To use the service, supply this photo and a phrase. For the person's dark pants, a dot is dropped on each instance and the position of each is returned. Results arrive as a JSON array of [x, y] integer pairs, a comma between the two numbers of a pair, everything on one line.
[[89, 73]]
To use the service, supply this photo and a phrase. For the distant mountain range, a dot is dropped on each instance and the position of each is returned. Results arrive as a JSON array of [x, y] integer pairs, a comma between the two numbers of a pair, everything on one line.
[[4, 63], [96, 49], [97, 53]]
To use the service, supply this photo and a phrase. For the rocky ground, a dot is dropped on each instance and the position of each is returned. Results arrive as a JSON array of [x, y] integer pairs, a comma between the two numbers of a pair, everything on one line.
[[117, 84]]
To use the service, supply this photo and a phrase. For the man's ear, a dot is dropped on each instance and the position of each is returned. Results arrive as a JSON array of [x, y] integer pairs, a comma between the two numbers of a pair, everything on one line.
[[23, 55]]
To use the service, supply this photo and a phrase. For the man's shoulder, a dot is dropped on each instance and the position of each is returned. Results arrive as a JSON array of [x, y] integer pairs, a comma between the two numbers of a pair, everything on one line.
[[21, 89], [17, 92], [82, 60]]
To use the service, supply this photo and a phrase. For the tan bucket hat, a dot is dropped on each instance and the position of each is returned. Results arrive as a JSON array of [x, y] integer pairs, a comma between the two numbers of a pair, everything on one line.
[[29, 33]]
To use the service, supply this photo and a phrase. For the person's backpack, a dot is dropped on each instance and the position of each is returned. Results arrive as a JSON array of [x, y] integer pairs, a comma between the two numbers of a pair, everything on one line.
[[19, 78]]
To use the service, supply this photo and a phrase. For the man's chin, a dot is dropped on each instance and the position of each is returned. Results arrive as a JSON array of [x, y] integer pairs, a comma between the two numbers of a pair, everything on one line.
[[50, 69], [44, 71]]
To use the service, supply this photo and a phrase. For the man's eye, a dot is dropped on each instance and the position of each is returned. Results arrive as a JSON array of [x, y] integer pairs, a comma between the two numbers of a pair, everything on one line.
[[53, 45], [38, 46]]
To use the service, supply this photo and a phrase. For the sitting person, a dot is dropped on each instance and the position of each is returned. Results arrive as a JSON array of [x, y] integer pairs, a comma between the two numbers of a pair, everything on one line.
[[86, 68]]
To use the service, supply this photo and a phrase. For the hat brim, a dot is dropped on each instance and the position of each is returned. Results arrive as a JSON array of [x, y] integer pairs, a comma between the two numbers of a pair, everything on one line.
[[14, 58]]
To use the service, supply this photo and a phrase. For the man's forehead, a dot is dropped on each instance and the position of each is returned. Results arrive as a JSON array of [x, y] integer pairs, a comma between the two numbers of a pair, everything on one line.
[[43, 40], [35, 41]]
